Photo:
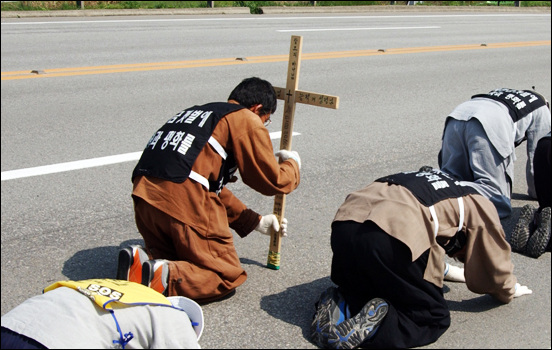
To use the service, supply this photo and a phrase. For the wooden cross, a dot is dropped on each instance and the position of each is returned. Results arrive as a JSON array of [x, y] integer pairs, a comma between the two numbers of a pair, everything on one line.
[[291, 95]]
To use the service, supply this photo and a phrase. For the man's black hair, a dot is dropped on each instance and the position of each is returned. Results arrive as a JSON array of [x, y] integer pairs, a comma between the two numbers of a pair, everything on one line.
[[253, 91]]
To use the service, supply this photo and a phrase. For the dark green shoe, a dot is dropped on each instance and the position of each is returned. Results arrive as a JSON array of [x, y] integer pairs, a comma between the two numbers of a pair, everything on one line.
[[522, 230], [536, 245]]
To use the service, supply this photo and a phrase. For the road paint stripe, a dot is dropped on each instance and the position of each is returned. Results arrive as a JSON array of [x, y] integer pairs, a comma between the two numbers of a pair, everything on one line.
[[87, 163], [351, 29], [135, 67]]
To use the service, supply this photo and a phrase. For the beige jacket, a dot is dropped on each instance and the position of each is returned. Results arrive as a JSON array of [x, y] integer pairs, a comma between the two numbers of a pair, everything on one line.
[[488, 268]]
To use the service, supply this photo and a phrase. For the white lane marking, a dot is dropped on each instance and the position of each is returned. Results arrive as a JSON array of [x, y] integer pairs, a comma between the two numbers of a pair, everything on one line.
[[87, 163], [336, 29]]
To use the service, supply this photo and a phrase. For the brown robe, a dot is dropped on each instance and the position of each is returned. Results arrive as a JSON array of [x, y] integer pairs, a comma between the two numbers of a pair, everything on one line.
[[188, 225]]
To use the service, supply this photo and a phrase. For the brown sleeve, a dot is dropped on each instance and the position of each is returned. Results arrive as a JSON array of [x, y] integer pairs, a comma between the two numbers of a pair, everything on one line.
[[246, 222], [243, 134], [254, 154], [240, 218], [488, 268]]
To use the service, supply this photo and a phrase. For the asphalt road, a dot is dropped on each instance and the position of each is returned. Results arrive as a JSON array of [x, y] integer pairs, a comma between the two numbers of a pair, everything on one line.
[[103, 85]]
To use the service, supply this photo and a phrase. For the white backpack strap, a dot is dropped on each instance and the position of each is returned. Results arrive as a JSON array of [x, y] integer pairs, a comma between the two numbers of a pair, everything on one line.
[[435, 220], [201, 179], [216, 145], [461, 209], [198, 178]]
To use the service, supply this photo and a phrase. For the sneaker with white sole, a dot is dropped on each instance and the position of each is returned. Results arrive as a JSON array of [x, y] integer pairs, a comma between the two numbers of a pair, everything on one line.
[[155, 274], [331, 309], [333, 327], [352, 332], [130, 263], [522, 230], [540, 238]]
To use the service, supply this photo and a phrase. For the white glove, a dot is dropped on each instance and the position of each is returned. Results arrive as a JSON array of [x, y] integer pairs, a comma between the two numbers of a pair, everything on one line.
[[521, 290], [285, 155], [454, 273], [271, 220]]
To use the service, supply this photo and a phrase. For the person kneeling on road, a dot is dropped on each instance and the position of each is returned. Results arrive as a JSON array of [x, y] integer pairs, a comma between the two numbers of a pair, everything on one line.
[[183, 209], [389, 268], [480, 138], [102, 314]]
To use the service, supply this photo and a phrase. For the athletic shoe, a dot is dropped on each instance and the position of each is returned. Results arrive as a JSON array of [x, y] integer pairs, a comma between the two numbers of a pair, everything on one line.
[[538, 241], [332, 326], [330, 310], [354, 331], [130, 264], [522, 230], [155, 274]]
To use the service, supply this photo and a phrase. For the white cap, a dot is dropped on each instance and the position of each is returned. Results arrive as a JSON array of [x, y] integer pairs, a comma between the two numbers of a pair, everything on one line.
[[194, 311]]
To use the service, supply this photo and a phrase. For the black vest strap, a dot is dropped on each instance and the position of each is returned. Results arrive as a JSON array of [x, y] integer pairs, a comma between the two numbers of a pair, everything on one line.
[[429, 186], [173, 149], [519, 102], [226, 173]]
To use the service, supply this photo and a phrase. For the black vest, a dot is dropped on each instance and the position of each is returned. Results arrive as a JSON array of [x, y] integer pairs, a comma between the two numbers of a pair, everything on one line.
[[429, 187], [173, 149], [519, 102]]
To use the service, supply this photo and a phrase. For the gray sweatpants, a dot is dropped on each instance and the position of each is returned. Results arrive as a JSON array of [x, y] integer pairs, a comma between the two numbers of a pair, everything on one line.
[[468, 155]]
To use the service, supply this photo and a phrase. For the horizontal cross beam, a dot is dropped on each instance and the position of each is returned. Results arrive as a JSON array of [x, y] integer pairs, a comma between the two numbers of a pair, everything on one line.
[[309, 98]]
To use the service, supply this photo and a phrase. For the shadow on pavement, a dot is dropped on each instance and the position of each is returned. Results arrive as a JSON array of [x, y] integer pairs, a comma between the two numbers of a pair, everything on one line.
[[246, 261], [100, 262], [478, 304], [295, 305]]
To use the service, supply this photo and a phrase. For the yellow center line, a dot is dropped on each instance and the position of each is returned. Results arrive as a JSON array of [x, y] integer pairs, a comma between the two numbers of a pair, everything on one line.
[[137, 67]]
